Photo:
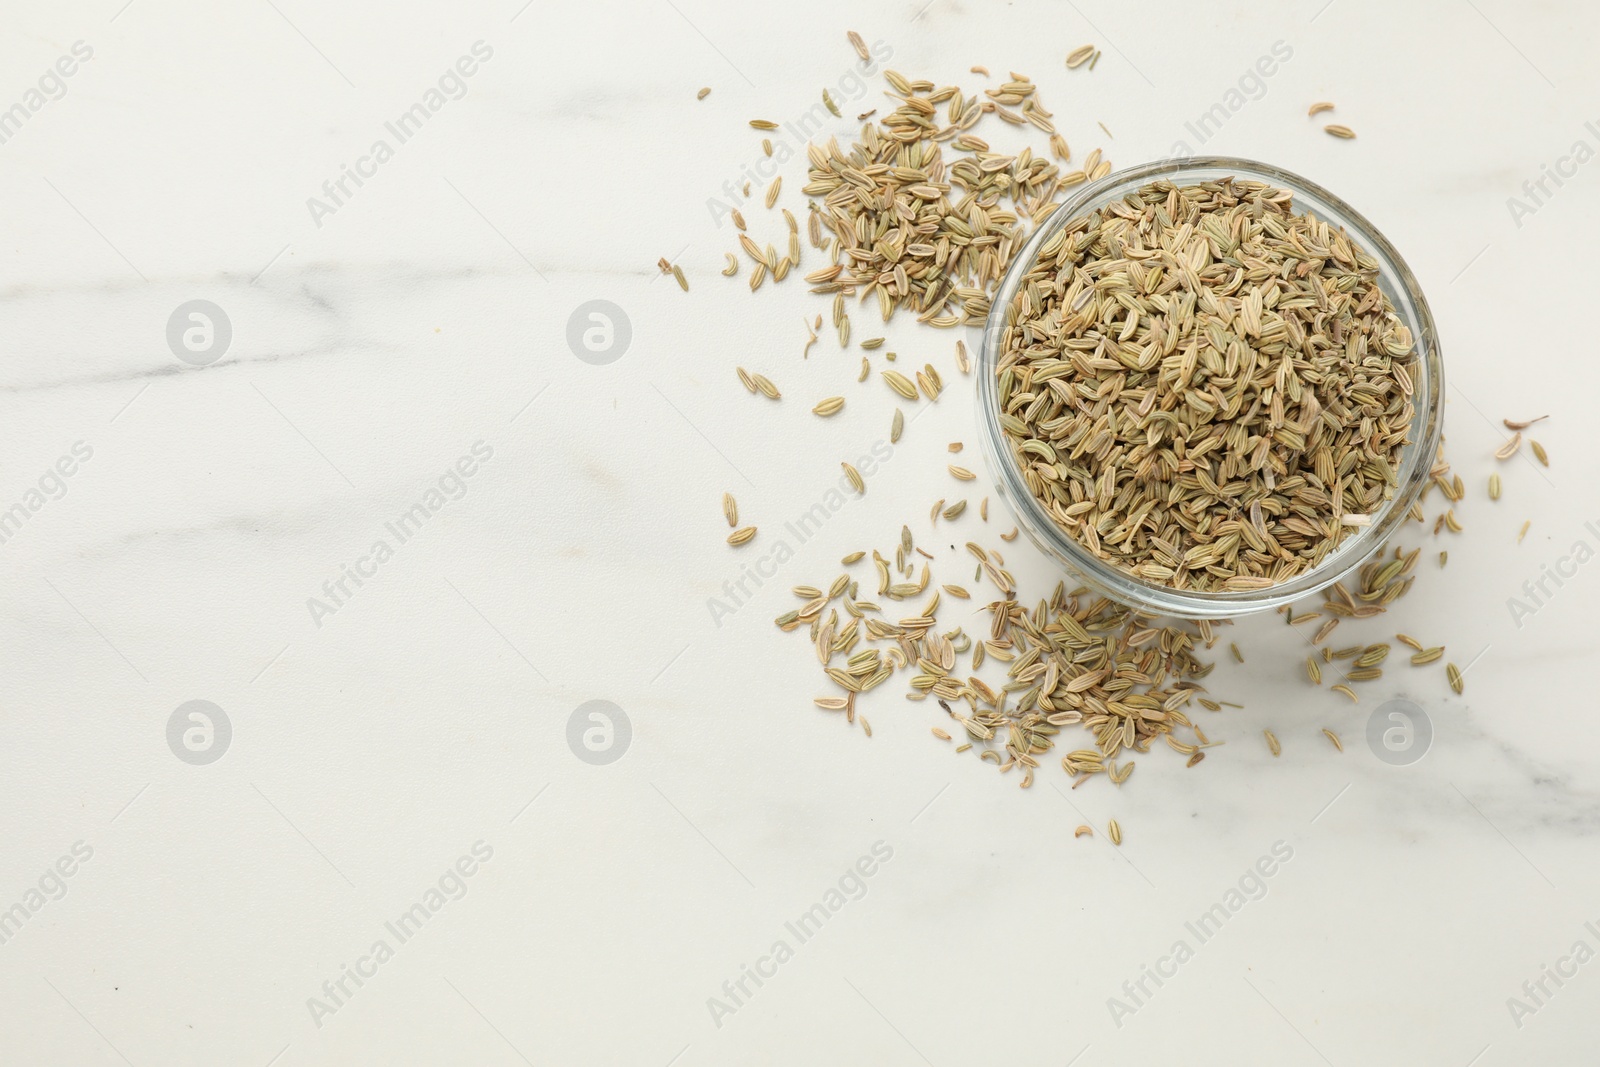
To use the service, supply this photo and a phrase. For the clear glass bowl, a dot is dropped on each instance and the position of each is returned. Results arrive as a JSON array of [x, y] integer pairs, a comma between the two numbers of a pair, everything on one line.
[[1417, 458]]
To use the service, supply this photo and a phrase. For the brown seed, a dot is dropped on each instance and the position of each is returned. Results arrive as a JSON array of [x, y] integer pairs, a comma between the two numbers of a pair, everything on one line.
[[1319, 107], [1083, 831], [730, 509], [1342, 132], [764, 384], [739, 537], [900, 384], [859, 45], [703, 93], [1272, 742]]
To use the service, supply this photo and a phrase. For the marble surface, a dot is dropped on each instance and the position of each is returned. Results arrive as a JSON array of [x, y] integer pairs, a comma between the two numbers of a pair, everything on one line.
[[392, 778]]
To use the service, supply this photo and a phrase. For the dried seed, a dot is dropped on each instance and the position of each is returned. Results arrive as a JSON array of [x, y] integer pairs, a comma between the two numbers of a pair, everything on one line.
[[730, 509], [1509, 449], [1539, 452], [940, 734], [1494, 486], [763, 124], [1520, 535], [739, 537], [703, 93], [1453, 673], [1342, 132], [1272, 742], [1079, 56], [1347, 691], [962, 473], [1313, 671], [855, 478], [900, 384], [896, 426], [1114, 832], [677, 273], [859, 45], [1522, 425], [830, 406], [1083, 831], [1331, 736], [1427, 655], [1319, 107]]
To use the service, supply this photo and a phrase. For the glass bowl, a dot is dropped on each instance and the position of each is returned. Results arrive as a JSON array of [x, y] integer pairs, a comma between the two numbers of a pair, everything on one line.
[[1417, 457]]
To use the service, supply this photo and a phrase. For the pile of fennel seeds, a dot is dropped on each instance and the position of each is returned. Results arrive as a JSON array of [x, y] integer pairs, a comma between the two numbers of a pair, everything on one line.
[[1075, 659], [1204, 387], [908, 231]]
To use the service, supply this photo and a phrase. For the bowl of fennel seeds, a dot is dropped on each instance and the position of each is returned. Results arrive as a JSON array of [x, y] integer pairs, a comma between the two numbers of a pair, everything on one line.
[[1209, 387]]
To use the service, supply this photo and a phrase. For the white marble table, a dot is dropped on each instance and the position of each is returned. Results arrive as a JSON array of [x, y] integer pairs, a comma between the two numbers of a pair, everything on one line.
[[375, 843]]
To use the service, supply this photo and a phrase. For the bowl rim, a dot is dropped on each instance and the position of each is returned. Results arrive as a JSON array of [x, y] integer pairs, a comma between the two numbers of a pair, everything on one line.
[[1394, 277]]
